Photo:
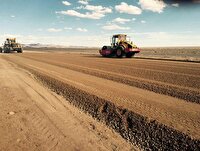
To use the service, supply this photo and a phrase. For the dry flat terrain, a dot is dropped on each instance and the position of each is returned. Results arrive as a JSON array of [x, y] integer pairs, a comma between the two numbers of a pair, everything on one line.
[[153, 104], [33, 118], [168, 53], [175, 53]]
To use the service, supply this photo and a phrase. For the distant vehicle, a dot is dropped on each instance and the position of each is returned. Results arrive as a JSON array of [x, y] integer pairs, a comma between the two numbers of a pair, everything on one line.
[[120, 47], [11, 45]]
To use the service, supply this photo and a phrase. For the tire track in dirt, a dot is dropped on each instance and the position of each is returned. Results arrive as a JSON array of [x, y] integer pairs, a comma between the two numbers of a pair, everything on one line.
[[188, 94], [131, 64], [50, 140]]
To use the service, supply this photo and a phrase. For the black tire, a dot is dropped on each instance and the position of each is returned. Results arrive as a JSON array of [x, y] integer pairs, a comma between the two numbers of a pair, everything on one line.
[[130, 55], [19, 51], [104, 47], [7, 50], [119, 52]]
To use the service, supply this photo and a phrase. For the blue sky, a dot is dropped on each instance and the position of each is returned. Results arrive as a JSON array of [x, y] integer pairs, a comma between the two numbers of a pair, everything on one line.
[[92, 22]]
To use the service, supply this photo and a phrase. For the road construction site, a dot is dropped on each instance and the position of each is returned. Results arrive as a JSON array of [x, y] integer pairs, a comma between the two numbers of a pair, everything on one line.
[[87, 102]]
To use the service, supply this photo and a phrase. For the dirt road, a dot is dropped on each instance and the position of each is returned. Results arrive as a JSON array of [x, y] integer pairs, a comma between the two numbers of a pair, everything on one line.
[[34, 118], [151, 103]]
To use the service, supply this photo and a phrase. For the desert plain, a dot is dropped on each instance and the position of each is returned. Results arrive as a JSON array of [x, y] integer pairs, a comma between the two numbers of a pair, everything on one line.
[[74, 99]]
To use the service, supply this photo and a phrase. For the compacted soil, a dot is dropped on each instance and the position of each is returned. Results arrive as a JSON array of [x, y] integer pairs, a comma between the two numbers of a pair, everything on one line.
[[152, 104], [33, 118]]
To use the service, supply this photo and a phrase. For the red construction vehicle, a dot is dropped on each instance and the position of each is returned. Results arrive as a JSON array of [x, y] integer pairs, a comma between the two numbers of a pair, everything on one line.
[[120, 47]]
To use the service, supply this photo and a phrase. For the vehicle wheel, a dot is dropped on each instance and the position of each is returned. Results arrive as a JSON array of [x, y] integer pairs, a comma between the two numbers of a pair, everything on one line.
[[6, 50], [119, 53], [19, 51], [104, 48]]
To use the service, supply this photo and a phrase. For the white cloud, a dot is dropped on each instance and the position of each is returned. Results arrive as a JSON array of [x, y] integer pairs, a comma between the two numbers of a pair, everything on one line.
[[114, 27], [54, 30], [99, 9], [83, 39], [88, 15], [154, 39], [133, 19], [153, 5], [71, 13], [175, 5], [84, 2], [12, 16], [81, 29], [10, 36], [68, 28], [129, 9], [121, 20], [66, 3], [79, 7], [143, 21], [96, 12]]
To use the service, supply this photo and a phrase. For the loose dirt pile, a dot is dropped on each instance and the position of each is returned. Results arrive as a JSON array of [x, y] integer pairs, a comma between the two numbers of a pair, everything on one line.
[[133, 127]]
